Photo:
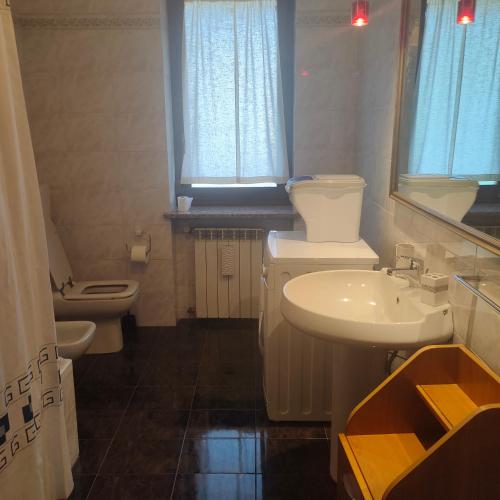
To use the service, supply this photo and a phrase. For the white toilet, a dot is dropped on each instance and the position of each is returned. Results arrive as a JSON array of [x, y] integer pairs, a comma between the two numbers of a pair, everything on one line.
[[450, 196], [330, 206], [103, 302]]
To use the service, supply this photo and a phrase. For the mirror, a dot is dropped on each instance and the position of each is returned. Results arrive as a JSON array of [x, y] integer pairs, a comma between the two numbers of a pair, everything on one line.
[[446, 159]]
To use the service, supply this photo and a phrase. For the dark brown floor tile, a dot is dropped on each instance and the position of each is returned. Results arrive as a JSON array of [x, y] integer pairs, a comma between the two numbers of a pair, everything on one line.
[[92, 453], [234, 373], [82, 486], [132, 487], [143, 340], [287, 430], [293, 456], [295, 487], [190, 354], [221, 397], [215, 487], [142, 457], [221, 424], [229, 346], [115, 370], [81, 367], [170, 373], [98, 424], [96, 397], [218, 456], [179, 336], [140, 425], [163, 397], [231, 324]]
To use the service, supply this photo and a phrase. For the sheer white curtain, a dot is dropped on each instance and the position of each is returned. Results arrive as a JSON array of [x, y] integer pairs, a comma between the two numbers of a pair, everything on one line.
[[234, 127], [457, 115], [34, 458]]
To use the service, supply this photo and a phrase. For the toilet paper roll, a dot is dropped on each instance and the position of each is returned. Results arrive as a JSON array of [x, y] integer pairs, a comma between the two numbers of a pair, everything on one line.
[[139, 254]]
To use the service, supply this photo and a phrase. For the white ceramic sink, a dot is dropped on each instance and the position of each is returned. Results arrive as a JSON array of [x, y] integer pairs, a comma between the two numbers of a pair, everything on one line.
[[364, 308], [74, 338], [364, 314]]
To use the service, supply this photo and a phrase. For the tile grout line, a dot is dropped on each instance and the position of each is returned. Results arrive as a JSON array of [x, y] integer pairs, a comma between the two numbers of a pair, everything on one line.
[[127, 406], [110, 444], [256, 381], [188, 421]]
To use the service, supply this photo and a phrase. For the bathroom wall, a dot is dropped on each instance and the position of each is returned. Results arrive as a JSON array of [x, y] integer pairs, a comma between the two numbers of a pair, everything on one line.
[[325, 105], [93, 80], [326, 73], [385, 221]]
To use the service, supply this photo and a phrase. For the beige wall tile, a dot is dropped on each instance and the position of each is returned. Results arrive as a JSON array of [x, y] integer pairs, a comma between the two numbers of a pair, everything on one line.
[[31, 6], [137, 91], [48, 133], [95, 243], [156, 304], [146, 207], [136, 50], [85, 270], [141, 171], [38, 50], [53, 169], [86, 92], [42, 92], [95, 171], [86, 50], [105, 6], [485, 337], [94, 208], [89, 132], [141, 131]]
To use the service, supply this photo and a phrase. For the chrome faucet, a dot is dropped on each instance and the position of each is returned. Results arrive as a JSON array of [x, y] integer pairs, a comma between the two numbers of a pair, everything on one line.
[[414, 266]]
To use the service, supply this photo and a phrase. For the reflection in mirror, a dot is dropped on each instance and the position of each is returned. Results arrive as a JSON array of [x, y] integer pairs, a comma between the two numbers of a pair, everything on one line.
[[449, 129]]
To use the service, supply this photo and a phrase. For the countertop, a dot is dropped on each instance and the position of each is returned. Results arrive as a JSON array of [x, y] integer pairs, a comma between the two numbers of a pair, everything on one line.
[[226, 212]]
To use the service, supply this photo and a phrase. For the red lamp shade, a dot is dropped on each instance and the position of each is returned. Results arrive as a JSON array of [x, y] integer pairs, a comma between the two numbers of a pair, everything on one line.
[[465, 13], [360, 12]]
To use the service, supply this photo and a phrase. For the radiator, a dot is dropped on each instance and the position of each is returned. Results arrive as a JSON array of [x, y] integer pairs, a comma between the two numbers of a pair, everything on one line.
[[228, 265]]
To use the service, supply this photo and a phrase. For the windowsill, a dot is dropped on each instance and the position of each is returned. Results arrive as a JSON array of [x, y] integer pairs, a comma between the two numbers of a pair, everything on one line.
[[228, 212]]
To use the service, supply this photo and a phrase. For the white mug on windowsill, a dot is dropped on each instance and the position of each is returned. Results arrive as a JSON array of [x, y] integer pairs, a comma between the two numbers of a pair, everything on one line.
[[184, 203]]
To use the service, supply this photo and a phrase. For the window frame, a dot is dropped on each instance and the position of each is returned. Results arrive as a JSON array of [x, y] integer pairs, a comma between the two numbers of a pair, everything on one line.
[[240, 195]]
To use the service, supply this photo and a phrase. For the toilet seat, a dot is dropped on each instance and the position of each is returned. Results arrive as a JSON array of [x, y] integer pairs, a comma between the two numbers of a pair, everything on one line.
[[100, 290], [102, 302]]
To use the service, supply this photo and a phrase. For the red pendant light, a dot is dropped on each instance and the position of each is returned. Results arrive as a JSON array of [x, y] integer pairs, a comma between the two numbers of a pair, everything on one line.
[[360, 12], [465, 12]]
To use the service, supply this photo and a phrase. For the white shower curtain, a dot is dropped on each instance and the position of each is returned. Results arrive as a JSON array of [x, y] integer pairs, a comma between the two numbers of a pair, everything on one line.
[[34, 459]]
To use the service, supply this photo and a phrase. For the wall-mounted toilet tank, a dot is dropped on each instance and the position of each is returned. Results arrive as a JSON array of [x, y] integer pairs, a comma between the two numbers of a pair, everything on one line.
[[330, 206]]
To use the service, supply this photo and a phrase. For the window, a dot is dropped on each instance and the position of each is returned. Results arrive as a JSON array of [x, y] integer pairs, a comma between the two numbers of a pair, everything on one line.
[[232, 85], [457, 115]]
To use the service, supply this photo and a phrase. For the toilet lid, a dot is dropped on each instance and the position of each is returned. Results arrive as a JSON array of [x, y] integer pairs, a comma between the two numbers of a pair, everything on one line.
[[438, 181], [326, 181], [60, 269]]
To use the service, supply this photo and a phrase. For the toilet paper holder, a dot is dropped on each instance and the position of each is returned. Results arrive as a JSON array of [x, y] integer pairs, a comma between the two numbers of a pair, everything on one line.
[[138, 238]]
